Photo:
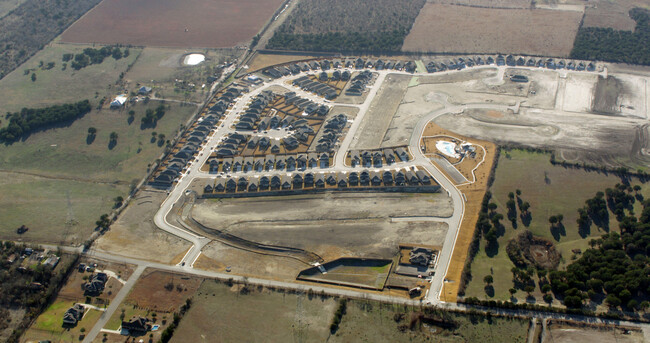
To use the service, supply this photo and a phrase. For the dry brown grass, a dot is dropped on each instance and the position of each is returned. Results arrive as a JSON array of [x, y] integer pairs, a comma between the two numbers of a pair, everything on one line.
[[462, 29], [474, 193], [612, 14], [261, 61], [169, 23], [153, 291]]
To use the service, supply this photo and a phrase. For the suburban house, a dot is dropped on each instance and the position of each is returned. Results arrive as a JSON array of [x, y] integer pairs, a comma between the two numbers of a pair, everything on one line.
[[73, 315], [136, 325], [96, 284]]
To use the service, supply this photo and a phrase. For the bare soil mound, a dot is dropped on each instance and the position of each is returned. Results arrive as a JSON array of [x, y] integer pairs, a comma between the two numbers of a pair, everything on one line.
[[527, 249]]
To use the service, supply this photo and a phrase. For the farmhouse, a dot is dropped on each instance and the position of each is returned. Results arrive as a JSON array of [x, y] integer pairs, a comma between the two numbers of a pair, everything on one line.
[[119, 101]]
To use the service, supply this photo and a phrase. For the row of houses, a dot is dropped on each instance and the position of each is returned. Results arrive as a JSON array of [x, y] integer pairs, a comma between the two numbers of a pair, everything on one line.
[[337, 75], [331, 133], [179, 160], [248, 120], [377, 158], [318, 88], [307, 106], [270, 162], [359, 83], [297, 181], [231, 145], [509, 60]]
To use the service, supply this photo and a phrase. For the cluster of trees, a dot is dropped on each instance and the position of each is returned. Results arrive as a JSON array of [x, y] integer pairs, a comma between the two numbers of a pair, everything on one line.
[[339, 41], [32, 24], [95, 56], [166, 335], [351, 25], [616, 268], [151, 117], [607, 44], [29, 120], [338, 315], [28, 288]]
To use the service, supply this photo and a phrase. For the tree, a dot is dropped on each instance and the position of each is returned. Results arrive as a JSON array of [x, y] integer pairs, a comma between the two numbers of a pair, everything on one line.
[[552, 220], [492, 206], [518, 191], [488, 279], [33, 77], [92, 131], [113, 137], [612, 300], [512, 291]]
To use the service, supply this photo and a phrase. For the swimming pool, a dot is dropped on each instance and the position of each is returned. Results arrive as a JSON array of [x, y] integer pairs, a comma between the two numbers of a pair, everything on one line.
[[447, 148]]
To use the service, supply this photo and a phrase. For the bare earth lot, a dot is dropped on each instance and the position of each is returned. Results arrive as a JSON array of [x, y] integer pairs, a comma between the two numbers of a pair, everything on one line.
[[135, 225], [331, 225], [572, 334], [169, 23], [462, 29], [375, 123]]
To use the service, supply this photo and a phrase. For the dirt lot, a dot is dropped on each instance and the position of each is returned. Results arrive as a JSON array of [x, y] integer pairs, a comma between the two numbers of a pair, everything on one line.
[[375, 123], [330, 225], [260, 61], [217, 256], [574, 334], [462, 29], [162, 291], [168, 23], [135, 226], [416, 103]]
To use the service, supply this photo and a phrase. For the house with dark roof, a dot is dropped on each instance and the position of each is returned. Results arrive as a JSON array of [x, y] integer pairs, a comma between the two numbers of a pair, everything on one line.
[[73, 315], [219, 185], [96, 284], [309, 180], [375, 178], [424, 177], [387, 177], [297, 181], [264, 183], [342, 180], [319, 180], [276, 182], [136, 325], [231, 185], [364, 178]]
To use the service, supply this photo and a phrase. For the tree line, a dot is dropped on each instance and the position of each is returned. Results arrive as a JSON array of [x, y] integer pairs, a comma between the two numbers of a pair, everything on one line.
[[339, 41], [29, 120], [94, 56], [607, 44]]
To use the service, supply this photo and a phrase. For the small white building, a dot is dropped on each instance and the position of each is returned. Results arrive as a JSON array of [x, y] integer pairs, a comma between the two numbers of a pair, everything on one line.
[[119, 101]]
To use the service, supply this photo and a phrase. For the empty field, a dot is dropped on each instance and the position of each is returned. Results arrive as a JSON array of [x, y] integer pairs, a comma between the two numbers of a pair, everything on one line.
[[462, 29], [614, 14], [169, 23], [375, 123], [330, 225], [562, 332], [135, 224], [227, 313]]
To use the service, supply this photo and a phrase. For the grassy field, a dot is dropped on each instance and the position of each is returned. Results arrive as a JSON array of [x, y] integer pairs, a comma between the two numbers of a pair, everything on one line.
[[227, 314], [54, 210], [159, 68], [550, 190], [7, 6], [48, 325], [67, 178], [56, 86]]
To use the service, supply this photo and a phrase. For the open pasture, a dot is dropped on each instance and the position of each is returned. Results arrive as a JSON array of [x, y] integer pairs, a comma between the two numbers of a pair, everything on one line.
[[169, 23], [462, 29]]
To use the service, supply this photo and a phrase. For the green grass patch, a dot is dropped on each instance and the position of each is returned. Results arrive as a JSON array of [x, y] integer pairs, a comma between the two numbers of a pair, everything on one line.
[[550, 190]]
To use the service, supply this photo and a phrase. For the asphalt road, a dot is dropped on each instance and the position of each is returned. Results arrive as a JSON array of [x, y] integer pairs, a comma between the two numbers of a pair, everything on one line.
[[115, 303]]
